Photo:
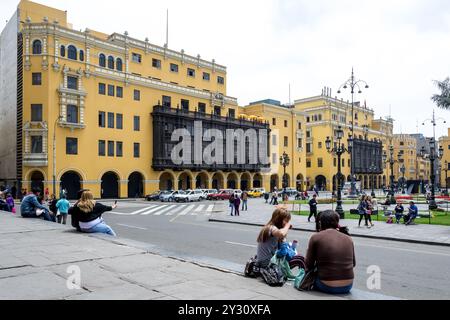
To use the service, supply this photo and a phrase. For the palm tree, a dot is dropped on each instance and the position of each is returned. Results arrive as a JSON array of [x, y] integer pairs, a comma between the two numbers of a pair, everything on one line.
[[442, 100]]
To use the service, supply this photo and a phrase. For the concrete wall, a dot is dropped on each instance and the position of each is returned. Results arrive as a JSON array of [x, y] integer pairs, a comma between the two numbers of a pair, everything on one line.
[[8, 99]]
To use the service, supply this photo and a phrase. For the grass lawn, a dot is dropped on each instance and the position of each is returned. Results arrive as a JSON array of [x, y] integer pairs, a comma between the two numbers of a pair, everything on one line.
[[438, 218]]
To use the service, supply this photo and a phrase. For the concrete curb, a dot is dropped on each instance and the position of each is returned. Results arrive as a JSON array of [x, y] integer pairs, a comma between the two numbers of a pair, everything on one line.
[[432, 243]]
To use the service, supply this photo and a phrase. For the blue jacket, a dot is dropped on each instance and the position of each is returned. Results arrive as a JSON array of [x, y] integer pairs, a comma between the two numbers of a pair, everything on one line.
[[63, 206], [413, 210], [285, 250], [30, 204]]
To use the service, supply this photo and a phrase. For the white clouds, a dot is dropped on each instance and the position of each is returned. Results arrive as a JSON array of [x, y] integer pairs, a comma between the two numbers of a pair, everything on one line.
[[398, 46]]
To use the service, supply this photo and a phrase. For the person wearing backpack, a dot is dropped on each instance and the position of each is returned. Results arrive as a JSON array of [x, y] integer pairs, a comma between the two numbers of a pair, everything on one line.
[[331, 251]]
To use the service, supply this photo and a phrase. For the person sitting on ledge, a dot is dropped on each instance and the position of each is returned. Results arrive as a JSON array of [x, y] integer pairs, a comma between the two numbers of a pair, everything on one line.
[[31, 208]]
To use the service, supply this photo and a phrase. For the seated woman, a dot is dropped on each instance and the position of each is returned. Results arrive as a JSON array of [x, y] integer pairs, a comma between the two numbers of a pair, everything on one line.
[[332, 252], [271, 235], [89, 214]]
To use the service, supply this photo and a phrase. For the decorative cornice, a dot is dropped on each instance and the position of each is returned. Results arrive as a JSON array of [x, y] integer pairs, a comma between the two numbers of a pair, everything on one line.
[[92, 41]]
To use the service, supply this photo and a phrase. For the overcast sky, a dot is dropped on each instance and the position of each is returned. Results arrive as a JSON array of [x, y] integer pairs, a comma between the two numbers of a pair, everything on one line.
[[398, 46]]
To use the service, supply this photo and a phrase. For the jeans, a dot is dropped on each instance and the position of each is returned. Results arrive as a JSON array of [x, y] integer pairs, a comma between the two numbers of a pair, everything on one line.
[[312, 213], [101, 227], [410, 219], [244, 205], [47, 216], [318, 285], [232, 207]]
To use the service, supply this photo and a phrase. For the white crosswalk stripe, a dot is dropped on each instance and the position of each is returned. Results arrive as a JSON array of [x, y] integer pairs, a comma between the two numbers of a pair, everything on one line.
[[171, 209], [200, 208], [146, 213], [187, 210], [160, 212], [141, 210], [176, 210]]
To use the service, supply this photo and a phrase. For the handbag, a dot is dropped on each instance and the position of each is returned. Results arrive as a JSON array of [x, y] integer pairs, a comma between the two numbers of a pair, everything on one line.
[[306, 283], [58, 213]]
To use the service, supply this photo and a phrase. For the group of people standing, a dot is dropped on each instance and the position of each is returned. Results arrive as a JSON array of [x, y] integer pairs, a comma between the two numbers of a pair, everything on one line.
[[235, 203]]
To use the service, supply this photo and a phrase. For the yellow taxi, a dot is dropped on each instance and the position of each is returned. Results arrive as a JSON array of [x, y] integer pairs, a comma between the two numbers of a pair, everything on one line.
[[256, 193]]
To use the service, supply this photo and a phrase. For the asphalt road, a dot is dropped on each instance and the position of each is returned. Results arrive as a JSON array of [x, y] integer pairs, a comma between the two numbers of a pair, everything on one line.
[[408, 271]]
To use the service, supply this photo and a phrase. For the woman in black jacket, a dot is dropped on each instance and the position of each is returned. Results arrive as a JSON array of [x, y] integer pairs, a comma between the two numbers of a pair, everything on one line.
[[89, 214]]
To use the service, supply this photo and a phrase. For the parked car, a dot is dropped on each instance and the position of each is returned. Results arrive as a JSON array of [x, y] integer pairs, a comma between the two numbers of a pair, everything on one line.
[[194, 195], [223, 194], [168, 196], [291, 191], [154, 196], [207, 192], [256, 193]]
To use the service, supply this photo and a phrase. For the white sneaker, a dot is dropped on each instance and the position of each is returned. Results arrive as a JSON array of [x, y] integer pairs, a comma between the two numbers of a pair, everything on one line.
[[39, 212]]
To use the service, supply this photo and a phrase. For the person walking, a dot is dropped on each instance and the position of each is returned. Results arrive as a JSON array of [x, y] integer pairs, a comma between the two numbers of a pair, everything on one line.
[[275, 197], [370, 209], [362, 210], [244, 198], [237, 204], [63, 209], [89, 214], [313, 208], [266, 197]]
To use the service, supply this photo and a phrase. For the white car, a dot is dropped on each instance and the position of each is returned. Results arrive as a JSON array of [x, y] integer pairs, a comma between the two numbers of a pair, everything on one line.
[[194, 195]]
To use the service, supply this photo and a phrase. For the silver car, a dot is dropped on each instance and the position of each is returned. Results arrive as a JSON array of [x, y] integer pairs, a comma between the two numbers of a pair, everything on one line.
[[168, 196]]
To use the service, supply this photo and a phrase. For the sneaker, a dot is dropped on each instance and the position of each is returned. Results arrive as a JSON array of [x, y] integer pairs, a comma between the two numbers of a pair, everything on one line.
[[39, 212]]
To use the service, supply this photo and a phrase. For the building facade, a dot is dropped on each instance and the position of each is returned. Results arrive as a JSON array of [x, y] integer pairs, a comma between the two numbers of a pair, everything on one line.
[[83, 109], [324, 114], [80, 109], [445, 161]]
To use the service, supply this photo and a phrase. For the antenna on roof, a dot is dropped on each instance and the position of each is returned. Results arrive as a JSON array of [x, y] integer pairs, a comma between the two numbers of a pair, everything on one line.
[[167, 30]]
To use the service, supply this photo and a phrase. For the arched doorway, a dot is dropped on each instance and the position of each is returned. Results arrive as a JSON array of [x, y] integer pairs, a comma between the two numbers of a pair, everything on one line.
[[71, 182], [246, 179], [321, 183], [299, 182], [184, 181], [232, 180], [274, 182], [218, 181], [257, 181], [366, 182], [384, 181], [37, 181], [166, 181], [110, 186], [202, 181], [135, 185]]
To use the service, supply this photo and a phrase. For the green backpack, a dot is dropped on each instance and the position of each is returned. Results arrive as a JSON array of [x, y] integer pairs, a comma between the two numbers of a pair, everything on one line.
[[284, 266]]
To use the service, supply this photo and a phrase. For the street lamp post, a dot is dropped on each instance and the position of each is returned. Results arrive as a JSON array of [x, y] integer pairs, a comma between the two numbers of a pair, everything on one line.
[[54, 154], [434, 155], [353, 84], [403, 170], [391, 162], [284, 160], [446, 178], [373, 170], [339, 149]]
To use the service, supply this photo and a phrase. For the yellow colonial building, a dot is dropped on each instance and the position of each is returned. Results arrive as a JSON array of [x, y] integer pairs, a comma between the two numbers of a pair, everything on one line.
[[83, 109], [324, 115], [445, 161]]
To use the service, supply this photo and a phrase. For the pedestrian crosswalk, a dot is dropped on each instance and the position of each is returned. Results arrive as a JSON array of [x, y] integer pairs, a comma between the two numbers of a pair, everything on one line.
[[171, 210]]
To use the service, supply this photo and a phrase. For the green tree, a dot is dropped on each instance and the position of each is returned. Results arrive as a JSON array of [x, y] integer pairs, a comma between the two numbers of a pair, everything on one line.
[[442, 99]]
